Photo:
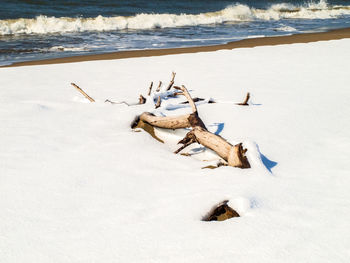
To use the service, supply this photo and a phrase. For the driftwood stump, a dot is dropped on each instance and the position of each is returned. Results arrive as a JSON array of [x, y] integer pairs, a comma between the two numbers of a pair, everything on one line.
[[221, 212]]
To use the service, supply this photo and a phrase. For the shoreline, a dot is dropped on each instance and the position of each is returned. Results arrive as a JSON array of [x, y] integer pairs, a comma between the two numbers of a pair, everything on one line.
[[245, 43]]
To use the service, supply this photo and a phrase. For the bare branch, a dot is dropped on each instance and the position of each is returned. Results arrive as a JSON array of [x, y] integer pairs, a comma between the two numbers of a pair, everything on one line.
[[150, 89], [83, 92], [172, 81], [159, 102], [122, 102], [188, 97], [245, 102], [188, 140]]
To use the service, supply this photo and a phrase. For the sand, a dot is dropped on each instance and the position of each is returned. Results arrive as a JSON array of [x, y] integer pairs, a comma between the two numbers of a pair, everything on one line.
[[245, 43]]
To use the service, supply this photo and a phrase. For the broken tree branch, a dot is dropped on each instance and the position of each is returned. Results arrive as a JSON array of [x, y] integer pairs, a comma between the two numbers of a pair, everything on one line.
[[159, 102], [82, 92], [158, 88], [188, 140], [188, 97], [245, 102], [234, 155], [122, 102], [150, 89], [172, 81]]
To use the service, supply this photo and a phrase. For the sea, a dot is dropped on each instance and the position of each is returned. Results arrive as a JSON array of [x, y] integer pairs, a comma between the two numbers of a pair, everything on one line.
[[41, 29]]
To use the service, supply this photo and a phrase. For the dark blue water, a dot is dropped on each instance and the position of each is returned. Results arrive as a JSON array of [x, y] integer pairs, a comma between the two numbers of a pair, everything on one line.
[[38, 29], [93, 8]]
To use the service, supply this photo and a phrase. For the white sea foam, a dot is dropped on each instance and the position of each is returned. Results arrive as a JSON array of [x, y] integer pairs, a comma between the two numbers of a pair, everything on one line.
[[235, 13], [62, 48], [285, 29]]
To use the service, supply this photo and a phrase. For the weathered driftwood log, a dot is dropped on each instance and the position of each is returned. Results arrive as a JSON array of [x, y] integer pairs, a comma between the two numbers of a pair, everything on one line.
[[245, 102], [121, 102], [233, 155], [170, 122], [83, 92]]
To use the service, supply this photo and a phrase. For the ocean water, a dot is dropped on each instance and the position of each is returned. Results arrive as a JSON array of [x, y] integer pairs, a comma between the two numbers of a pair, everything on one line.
[[39, 29]]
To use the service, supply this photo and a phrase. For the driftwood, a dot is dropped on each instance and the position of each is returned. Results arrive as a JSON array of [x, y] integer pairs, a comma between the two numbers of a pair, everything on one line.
[[83, 92], [147, 127], [150, 89], [234, 155], [158, 88], [245, 102], [142, 99], [175, 94], [170, 122], [221, 212], [158, 103], [122, 102], [171, 81]]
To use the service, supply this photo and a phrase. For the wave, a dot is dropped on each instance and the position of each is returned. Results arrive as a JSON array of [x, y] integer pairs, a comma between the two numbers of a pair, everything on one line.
[[234, 13], [42, 50], [62, 48], [285, 29]]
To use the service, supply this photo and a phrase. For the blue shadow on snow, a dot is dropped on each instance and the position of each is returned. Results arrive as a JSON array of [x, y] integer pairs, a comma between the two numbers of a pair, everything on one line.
[[268, 163], [220, 127]]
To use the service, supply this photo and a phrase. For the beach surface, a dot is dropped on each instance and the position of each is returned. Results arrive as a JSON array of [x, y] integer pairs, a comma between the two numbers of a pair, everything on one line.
[[246, 43], [79, 185]]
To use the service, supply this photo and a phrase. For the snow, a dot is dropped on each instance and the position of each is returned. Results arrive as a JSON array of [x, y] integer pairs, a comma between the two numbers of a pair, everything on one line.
[[78, 185]]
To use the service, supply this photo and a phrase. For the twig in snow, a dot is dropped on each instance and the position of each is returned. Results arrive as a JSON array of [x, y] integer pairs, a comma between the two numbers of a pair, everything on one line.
[[83, 92]]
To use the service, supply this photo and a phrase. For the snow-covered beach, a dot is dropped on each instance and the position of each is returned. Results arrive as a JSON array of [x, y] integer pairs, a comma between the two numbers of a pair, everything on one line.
[[78, 185]]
